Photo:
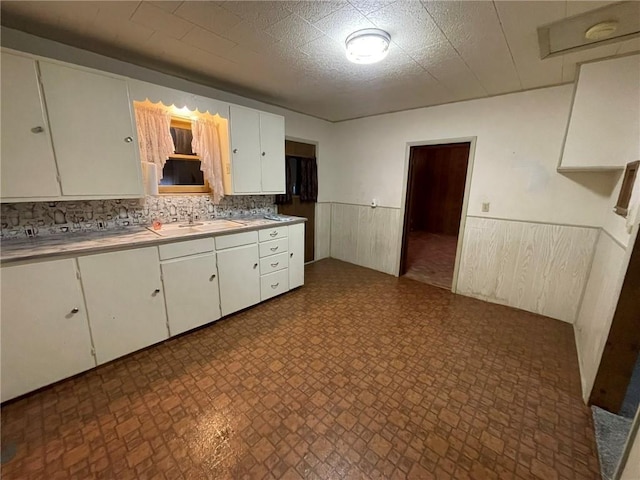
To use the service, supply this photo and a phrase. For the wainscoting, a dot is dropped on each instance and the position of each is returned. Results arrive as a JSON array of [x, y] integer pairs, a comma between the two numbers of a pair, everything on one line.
[[537, 267], [323, 230], [365, 236], [599, 304]]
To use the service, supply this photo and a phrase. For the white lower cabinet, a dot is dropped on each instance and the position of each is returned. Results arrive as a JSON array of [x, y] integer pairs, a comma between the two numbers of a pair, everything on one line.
[[239, 278], [45, 333], [296, 255], [191, 291], [125, 302]]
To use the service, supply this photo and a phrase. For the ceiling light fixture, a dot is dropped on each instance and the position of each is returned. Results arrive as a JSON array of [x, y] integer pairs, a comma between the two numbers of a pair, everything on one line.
[[367, 46], [601, 30]]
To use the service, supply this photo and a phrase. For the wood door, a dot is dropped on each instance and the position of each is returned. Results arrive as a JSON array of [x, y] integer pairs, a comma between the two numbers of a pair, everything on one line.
[[28, 165], [239, 278], [123, 291], [45, 332], [272, 154], [245, 150], [296, 255], [191, 292], [93, 132]]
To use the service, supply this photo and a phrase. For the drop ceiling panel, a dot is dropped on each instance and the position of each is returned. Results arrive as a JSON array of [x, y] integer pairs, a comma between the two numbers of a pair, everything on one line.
[[474, 30], [520, 22], [292, 53]]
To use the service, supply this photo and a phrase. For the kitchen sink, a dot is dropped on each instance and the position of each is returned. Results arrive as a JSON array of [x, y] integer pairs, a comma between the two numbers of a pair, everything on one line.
[[212, 226]]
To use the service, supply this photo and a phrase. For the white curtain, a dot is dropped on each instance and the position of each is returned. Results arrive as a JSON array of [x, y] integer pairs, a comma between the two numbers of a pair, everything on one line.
[[154, 135], [206, 143]]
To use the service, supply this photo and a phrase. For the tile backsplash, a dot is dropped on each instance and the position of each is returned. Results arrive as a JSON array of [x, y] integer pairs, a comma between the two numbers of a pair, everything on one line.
[[20, 220]]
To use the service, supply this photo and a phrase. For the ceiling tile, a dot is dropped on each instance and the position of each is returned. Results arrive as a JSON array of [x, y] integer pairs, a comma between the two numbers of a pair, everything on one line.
[[474, 30], [261, 14], [314, 11], [445, 65], [294, 30], [161, 21], [117, 10], [520, 22], [570, 61], [341, 23], [209, 16], [166, 5], [369, 6], [575, 7], [249, 35], [206, 40], [409, 25]]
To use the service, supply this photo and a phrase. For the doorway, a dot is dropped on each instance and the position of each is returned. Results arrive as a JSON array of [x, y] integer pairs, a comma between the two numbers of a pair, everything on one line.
[[301, 196], [435, 196]]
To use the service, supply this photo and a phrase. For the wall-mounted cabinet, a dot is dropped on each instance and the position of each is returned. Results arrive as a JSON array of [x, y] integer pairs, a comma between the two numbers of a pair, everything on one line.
[[604, 125], [257, 152], [67, 133]]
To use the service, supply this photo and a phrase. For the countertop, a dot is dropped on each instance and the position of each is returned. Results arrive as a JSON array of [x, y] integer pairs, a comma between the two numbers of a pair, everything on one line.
[[52, 246]]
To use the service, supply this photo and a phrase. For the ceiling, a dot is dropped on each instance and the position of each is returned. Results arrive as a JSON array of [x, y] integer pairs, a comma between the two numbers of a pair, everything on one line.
[[292, 53]]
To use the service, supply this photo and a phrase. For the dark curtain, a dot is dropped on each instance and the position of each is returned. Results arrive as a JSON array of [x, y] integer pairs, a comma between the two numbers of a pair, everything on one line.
[[288, 189], [308, 180]]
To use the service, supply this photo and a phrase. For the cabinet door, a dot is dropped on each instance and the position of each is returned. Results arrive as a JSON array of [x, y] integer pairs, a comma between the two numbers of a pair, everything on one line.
[[124, 298], [296, 255], [245, 149], [272, 153], [45, 333], [93, 132], [239, 278], [191, 292], [28, 165]]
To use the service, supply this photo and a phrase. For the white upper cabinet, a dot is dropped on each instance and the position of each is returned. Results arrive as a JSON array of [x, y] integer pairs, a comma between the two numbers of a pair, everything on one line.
[[272, 153], [93, 132], [28, 165], [245, 150], [604, 126], [257, 152]]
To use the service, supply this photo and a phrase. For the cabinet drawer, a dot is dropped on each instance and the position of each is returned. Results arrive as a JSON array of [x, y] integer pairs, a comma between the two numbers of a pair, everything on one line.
[[273, 247], [274, 284], [274, 263], [183, 249], [272, 233], [236, 240]]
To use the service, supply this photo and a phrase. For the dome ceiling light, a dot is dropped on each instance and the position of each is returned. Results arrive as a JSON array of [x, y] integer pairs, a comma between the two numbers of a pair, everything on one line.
[[367, 46], [601, 30]]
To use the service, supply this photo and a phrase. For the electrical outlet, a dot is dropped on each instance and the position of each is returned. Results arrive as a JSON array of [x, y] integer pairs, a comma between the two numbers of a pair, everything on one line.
[[485, 206]]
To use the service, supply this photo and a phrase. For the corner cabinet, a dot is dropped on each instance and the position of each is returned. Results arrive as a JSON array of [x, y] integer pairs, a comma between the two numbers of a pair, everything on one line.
[[45, 331], [257, 152], [67, 133]]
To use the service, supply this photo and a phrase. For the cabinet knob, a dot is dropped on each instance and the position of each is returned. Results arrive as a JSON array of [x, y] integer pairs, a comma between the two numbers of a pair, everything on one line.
[[235, 150], [75, 310], [156, 292], [255, 265], [212, 277], [291, 255], [37, 130], [128, 139], [264, 153]]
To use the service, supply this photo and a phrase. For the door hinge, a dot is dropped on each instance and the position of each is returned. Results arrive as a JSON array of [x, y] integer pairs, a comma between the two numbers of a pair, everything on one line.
[[78, 275], [93, 352], [59, 179]]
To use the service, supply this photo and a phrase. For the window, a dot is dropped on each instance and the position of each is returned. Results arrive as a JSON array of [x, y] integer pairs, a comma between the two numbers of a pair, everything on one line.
[[622, 206], [181, 172]]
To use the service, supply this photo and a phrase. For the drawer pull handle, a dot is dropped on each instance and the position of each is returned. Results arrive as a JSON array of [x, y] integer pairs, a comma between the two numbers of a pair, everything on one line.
[[276, 285], [274, 233], [37, 130], [212, 277], [275, 264], [75, 310], [255, 265], [273, 249]]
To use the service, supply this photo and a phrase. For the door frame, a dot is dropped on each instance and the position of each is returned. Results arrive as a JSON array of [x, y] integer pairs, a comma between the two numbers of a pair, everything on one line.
[[465, 199]]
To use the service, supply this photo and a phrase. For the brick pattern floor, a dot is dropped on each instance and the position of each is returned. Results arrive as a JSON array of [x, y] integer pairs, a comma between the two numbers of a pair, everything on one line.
[[431, 258], [357, 375]]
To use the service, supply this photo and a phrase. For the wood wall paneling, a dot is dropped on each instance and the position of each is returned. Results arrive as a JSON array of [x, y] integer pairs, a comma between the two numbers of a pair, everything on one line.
[[540, 268], [596, 312]]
